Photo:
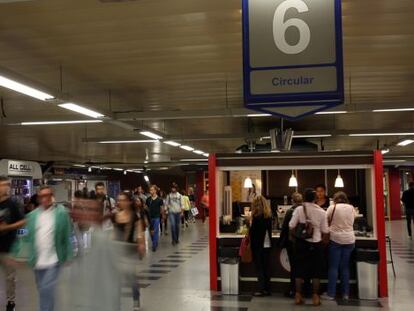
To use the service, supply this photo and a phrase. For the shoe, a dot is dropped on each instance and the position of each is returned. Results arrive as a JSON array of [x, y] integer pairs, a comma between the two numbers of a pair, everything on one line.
[[11, 306], [299, 299], [154, 249], [137, 306], [345, 297], [173, 243], [316, 300], [325, 296], [267, 293], [259, 294]]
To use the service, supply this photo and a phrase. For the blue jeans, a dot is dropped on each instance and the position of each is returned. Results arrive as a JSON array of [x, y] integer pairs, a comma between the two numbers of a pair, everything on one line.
[[155, 223], [175, 219], [339, 260], [46, 281]]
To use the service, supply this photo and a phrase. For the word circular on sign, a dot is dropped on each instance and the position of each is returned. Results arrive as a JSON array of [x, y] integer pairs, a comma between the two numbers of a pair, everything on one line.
[[277, 81], [280, 27]]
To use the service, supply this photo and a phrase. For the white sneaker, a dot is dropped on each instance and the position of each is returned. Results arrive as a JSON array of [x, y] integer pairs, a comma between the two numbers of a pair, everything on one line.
[[325, 296]]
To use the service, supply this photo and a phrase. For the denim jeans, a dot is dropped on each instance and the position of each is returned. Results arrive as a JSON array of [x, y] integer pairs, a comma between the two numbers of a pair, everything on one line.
[[175, 226], [155, 223], [339, 260], [46, 281]]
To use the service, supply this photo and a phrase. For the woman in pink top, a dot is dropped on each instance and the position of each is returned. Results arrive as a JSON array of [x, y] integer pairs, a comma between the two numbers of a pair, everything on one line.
[[342, 242]]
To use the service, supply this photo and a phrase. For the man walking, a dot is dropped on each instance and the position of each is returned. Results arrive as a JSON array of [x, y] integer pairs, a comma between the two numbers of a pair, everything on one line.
[[155, 206], [108, 205], [49, 245], [408, 200], [175, 210], [11, 219]]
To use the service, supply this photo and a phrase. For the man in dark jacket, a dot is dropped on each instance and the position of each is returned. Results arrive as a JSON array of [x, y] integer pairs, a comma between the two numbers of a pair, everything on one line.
[[408, 200]]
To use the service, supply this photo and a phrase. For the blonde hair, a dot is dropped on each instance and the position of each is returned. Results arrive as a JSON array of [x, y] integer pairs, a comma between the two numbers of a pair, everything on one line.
[[261, 207]]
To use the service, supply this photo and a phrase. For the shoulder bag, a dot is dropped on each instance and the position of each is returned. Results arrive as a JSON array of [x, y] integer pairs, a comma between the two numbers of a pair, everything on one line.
[[304, 231]]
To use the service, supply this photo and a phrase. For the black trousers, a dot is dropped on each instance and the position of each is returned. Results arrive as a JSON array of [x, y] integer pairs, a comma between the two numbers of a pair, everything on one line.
[[292, 262], [261, 259], [409, 218]]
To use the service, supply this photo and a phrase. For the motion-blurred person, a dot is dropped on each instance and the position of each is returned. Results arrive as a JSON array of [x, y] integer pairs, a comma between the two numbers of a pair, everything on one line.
[[11, 219], [186, 209], [192, 197], [175, 211], [309, 254], [142, 212], [164, 215], [341, 218], [321, 198], [48, 238], [205, 203], [156, 208], [408, 200], [285, 240], [32, 204], [108, 205], [139, 192], [261, 243]]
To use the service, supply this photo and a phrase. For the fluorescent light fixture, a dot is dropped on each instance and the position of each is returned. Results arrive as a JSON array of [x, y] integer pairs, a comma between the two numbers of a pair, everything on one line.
[[146, 178], [125, 172], [206, 154], [82, 110], [185, 147], [146, 162], [393, 110], [405, 142], [339, 182], [393, 161], [198, 152], [256, 115], [89, 169], [384, 151], [172, 143], [79, 165], [312, 136], [61, 122], [248, 183], [193, 160], [332, 112], [151, 135], [293, 181], [379, 134], [118, 169], [24, 89], [141, 141]]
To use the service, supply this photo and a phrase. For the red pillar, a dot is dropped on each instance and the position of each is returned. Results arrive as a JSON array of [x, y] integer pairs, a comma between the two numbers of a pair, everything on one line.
[[380, 215], [394, 189], [212, 221]]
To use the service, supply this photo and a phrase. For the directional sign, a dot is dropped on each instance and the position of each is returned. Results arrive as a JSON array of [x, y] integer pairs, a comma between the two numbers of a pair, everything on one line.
[[292, 56]]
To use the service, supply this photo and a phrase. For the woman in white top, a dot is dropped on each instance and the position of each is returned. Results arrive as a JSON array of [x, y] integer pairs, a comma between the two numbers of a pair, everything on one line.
[[342, 242]]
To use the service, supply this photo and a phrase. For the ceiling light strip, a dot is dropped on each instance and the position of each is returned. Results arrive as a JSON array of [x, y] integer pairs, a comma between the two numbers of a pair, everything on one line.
[[24, 89], [151, 135], [60, 122], [82, 110], [142, 141]]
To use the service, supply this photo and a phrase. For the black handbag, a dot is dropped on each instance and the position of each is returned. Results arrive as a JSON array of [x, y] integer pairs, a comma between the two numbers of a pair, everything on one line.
[[304, 231]]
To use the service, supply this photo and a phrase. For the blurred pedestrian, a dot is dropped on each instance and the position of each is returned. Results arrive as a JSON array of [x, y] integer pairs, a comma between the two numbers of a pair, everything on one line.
[[108, 205], [49, 232], [156, 208], [11, 219], [205, 203], [164, 216], [186, 209]]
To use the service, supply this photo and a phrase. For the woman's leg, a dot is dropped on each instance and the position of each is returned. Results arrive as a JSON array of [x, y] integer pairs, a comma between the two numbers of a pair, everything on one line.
[[344, 268], [266, 270], [334, 261], [258, 262]]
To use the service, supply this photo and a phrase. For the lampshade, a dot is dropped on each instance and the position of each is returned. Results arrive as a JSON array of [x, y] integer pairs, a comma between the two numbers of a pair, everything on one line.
[[248, 183], [293, 181], [339, 182]]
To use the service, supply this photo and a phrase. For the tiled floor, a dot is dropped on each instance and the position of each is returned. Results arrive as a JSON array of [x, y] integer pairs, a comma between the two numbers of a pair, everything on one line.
[[177, 278]]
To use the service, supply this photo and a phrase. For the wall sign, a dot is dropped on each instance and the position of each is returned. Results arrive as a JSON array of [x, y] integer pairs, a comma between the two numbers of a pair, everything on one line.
[[19, 168], [292, 56]]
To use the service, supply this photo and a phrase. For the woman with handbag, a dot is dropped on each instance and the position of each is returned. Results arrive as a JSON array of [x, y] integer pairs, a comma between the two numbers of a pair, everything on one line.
[[308, 225], [260, 235], [341, 218]]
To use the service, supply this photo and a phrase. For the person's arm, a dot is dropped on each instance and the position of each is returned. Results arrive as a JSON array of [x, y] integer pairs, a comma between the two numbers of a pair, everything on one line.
[[325, 229], [11, 227], [66, 243]]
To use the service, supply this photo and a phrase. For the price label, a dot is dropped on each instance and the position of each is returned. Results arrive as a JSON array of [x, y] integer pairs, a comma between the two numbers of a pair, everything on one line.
[[292, 55]]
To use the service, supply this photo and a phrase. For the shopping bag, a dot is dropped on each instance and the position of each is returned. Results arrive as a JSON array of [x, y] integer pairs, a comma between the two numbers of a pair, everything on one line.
[[194, 211], [245, 251]]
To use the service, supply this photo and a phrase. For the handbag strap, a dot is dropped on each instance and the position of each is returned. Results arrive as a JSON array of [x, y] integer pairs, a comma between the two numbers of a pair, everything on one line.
[[332, 216], [304, 210]]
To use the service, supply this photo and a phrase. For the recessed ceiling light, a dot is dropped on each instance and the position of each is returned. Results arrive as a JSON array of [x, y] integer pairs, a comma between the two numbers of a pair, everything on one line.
[[405, 142], [150, 135], [60, 122], [82, 110], [380, 134], [24, 89], [185, 147], [332, 112], [393, 110], [141, 141], [172, 143]]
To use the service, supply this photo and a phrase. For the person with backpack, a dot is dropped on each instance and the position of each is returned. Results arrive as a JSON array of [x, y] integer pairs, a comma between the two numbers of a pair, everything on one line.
[[341, 218], [175, 212], [309, 226], [11, 219]]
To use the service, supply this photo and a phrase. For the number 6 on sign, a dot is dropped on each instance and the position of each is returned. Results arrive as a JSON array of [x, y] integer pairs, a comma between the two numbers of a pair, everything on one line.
[[280, 27]]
